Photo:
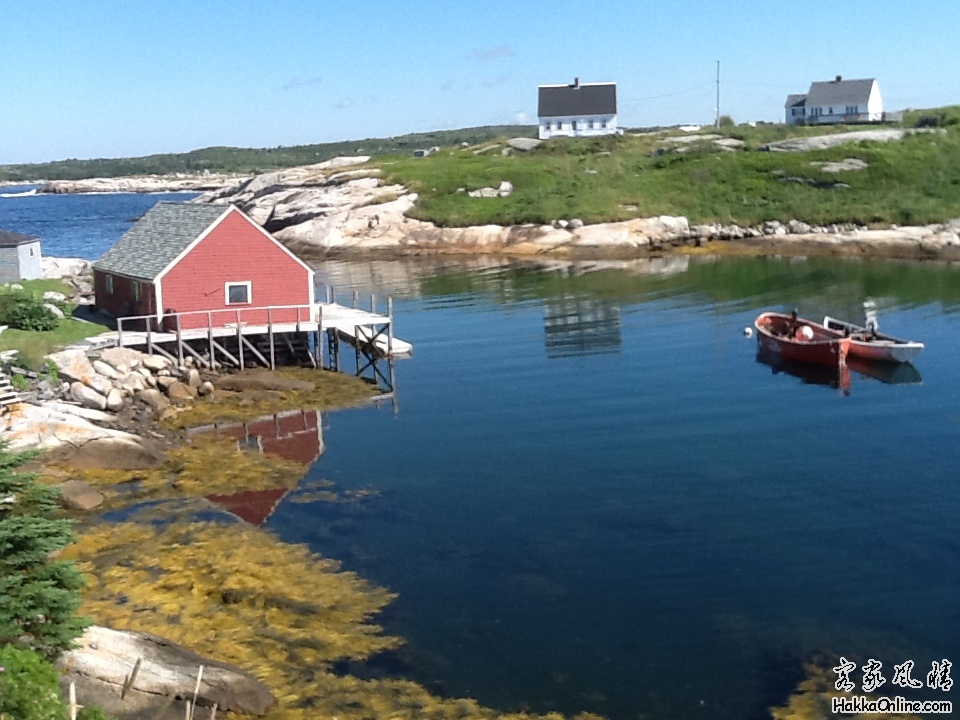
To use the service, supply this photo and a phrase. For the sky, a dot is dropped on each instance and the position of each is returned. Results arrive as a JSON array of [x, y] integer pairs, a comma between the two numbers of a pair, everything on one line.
[[112, 78]]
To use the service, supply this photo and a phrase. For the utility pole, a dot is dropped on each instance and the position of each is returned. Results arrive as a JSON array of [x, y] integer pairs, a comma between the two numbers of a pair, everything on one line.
[[718, 93]]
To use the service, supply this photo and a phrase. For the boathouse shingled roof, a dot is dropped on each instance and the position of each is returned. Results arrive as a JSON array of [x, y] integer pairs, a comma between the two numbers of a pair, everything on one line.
[[13, 239], [156, 239], [577, 99], [839, 92]]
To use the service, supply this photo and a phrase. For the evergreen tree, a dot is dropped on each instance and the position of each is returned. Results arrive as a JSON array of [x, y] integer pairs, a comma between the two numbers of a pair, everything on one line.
[[39, 596]]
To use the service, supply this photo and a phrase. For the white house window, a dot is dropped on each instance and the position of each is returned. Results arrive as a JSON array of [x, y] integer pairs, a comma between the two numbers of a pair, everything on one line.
[[108, 281], [574, 125], [603, 123], [31, 252], [238, 293]]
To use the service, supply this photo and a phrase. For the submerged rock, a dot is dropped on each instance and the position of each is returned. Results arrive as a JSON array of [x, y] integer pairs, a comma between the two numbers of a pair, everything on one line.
[[77, 495]]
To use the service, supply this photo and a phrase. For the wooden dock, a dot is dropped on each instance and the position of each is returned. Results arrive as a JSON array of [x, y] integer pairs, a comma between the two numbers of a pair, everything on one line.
[[249, 336]]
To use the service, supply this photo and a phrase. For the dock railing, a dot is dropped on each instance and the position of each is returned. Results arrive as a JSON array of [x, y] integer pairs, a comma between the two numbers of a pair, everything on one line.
[[218, 323]]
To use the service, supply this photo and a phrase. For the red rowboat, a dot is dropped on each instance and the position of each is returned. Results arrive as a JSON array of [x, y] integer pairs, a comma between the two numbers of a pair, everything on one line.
[[794, 338]]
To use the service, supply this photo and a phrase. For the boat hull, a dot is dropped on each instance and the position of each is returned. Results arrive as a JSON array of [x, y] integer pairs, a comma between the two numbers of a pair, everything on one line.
[[775, 334], [874, 346]]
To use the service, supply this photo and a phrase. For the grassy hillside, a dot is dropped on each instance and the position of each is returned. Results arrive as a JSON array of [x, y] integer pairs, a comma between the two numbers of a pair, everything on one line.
[[915, 180], [251, 160]]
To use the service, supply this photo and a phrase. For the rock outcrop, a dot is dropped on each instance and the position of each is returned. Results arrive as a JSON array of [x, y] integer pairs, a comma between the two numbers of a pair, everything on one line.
[[103, 661]]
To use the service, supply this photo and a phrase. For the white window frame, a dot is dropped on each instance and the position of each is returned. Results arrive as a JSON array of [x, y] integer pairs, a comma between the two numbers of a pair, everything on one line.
[[233, 283], [108, 282]]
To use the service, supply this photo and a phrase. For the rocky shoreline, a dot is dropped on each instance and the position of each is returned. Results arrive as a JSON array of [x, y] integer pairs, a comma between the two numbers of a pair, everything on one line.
[[342, 208]]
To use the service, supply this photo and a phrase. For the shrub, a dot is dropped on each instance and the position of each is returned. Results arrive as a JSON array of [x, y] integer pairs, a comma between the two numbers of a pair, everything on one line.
[[24, 312], [29, 688], [725, 121]]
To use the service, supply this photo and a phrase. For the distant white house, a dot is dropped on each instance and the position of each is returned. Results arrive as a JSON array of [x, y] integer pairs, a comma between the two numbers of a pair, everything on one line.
[[577, 110], [836, 101]]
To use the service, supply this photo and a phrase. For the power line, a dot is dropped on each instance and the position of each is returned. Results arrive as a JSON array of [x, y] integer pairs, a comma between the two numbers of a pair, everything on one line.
[[666, 95]]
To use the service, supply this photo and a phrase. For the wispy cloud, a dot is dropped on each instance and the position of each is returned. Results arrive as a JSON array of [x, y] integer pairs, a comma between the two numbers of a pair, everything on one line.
[[344, 104], [521, 117], [497, 52], [496, 81], [302, 82]]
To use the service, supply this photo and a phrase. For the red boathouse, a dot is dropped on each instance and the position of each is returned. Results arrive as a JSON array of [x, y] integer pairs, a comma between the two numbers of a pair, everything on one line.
[[209, 264]]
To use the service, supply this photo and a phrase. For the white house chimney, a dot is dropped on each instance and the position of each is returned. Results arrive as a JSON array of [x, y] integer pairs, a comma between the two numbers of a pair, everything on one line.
[[576, 82], [839, 78]]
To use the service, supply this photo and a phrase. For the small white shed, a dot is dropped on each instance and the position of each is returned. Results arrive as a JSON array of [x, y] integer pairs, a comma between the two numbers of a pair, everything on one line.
[[19, 257]]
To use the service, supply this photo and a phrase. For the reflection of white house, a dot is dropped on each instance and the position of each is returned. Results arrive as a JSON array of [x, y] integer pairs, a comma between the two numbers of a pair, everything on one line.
[[836, 101], [577, 110]]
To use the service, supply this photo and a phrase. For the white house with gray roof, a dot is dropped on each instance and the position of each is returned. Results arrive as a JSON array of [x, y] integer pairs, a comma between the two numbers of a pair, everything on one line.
[[577, 110], [836, 101]]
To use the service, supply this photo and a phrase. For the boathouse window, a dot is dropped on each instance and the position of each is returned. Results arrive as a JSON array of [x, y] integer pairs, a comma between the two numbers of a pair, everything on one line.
[[238, 293], [136, 292], [108, 281]]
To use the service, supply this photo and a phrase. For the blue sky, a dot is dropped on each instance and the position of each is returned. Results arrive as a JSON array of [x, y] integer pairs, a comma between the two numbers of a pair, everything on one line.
[[99, 78]]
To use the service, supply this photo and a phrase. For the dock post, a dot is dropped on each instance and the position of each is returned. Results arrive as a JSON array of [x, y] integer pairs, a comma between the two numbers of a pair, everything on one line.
[[179, 341], [389, 327], [119, 332], [356, 299], [149, 336], [273, 361], [240, 340], [373, 303], [333, 295], [356, 346], [210, 339]]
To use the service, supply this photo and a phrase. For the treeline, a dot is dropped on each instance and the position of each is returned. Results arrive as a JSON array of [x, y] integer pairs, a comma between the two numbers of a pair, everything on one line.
[[252, 160]]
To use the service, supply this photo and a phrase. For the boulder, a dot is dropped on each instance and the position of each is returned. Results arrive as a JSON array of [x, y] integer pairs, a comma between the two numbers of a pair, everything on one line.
[[206, 388], [110, 453], [105, 370], [193, 378], [121, 358], [100, 384], [53, 310], [87, 396], [155, 400], [77, 495], [103, 659], [524, 144], [72, 365], [114, 400], [181, 394], [134, 382], [155, 362], [165, 381], [506, 187]]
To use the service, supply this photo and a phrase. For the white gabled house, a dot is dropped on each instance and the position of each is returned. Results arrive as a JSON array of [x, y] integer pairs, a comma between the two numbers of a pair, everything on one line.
[[577, 110], [836, 101]]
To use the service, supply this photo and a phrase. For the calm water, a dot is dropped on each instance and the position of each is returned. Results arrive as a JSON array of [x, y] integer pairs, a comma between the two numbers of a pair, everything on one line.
[[592, 495]]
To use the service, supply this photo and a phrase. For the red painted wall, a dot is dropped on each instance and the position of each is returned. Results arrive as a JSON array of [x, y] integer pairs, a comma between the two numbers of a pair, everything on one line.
[[236, 250], [121, 302]]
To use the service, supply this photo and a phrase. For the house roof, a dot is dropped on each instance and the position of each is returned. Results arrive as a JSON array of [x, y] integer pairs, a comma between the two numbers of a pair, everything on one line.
[[577, 99], [840, 92], [12, 239], [795, 101], [158, 238]]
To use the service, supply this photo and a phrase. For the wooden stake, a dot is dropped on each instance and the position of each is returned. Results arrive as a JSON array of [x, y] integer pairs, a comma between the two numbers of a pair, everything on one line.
[[129, 680], [196, 691], [73, 701]]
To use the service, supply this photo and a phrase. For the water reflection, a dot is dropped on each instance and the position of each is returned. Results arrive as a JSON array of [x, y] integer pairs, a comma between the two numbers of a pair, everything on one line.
[[576, 325], [295, 435], [810, 374]]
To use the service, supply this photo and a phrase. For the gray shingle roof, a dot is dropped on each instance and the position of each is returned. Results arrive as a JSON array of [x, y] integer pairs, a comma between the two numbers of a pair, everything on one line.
[[157, 238], [12, 239], [839, 92], [795, 101], [583, 99]]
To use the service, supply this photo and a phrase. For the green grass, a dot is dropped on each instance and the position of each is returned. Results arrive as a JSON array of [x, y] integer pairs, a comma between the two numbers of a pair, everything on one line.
[[916, 180], [34, 346]]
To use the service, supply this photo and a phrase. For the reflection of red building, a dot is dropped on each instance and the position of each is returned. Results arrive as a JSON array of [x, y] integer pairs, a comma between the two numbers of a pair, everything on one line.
[[295, 435]]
